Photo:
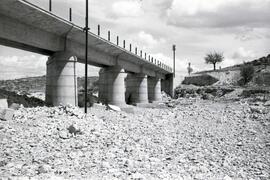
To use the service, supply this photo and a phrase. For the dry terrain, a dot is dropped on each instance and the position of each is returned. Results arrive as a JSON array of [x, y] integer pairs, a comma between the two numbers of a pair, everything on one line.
[[183, 139]]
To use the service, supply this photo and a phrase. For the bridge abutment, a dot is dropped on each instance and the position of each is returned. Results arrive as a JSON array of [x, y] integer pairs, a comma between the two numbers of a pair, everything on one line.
[[154, 89], [61, 80], [136, 88]]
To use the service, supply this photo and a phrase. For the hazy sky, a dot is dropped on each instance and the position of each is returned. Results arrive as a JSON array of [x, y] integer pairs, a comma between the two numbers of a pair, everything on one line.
[[238, 28]]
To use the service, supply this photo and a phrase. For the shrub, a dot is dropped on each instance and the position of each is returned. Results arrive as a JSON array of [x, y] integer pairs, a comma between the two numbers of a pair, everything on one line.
[[91, 99], [254, 92], [247, 72]]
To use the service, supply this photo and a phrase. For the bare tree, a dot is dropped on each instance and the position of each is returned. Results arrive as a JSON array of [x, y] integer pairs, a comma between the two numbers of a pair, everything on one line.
[[214, 58], [189, 68]]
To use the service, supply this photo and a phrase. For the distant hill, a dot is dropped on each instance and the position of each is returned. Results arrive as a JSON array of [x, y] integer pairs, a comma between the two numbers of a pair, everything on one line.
[[263, 61], [24, 85], [38, 84], [257, 63]]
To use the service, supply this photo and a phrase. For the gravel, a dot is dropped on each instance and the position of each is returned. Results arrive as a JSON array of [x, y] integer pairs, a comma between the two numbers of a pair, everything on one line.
[[191, 139]]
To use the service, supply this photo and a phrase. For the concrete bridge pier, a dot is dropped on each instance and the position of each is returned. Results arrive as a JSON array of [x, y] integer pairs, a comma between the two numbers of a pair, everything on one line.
[[61, 80], [136, 88], [167, 85], [112, 89], [154, 89]]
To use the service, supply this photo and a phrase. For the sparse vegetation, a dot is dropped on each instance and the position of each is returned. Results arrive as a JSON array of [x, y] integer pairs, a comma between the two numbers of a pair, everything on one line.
[[214, 58], [26, 101], [247, 72], [186, 91]]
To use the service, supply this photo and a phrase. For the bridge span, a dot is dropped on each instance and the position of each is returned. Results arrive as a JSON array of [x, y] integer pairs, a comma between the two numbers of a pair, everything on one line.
[[123, 75]]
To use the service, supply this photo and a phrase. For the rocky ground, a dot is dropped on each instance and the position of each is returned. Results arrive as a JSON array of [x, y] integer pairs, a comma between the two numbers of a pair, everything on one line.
[[186, 139]]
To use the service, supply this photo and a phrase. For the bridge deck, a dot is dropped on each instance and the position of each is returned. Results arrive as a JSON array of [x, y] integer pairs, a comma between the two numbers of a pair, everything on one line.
[[39, 18]]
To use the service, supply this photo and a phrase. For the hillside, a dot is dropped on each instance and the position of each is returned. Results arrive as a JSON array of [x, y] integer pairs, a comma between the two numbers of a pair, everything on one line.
[[257, 63], [231, 76]]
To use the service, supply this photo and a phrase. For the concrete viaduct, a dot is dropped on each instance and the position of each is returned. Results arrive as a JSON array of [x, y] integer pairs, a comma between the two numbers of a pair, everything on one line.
[[123, 75]]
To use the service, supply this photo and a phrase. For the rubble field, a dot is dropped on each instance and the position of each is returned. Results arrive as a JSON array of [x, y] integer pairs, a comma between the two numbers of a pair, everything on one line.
[[186, 139]]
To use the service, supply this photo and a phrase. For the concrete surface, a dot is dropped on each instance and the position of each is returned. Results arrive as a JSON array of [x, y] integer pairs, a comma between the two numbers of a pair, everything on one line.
[[115, 85], [154, 89], [61, 80], [136, 88]]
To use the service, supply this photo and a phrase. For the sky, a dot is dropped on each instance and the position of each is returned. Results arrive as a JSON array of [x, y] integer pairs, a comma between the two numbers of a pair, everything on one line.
[[240, 29]]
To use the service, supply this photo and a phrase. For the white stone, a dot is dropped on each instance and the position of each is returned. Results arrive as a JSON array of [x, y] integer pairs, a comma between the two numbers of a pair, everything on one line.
[[227, 178], [6, 114], [3, 103], [114, 108], [267, 103]]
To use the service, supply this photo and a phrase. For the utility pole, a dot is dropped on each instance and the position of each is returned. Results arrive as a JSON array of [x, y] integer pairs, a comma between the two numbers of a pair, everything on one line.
[[50, 5], [86, 57], [70, 14], [174, 48]]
